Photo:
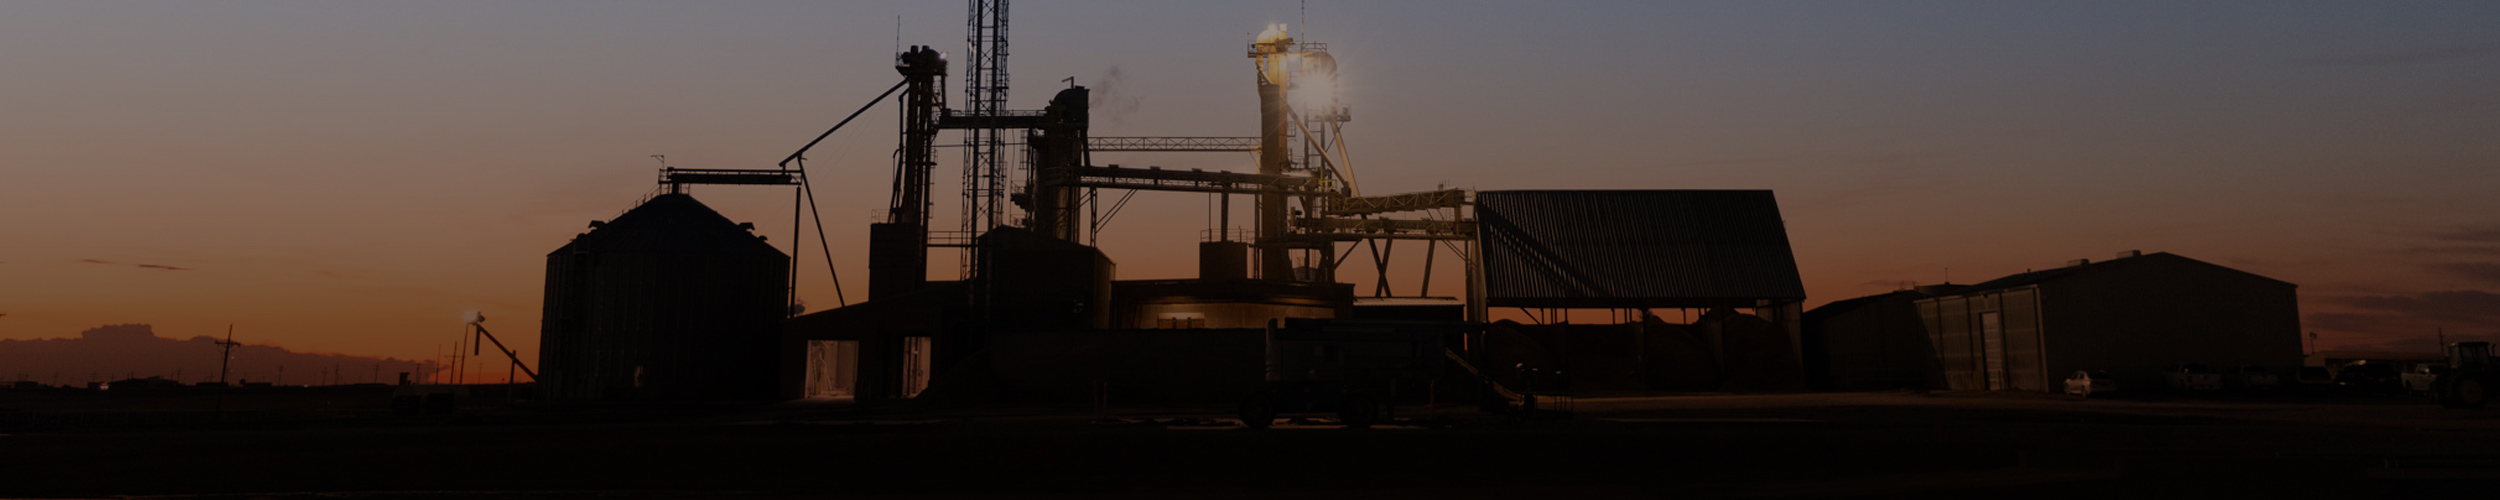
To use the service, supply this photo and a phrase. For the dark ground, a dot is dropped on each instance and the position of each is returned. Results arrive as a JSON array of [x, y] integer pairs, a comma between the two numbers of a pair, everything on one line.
[[1884, 445]]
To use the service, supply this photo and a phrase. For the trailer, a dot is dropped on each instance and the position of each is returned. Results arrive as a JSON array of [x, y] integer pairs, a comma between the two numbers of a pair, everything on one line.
[[1347, 367]]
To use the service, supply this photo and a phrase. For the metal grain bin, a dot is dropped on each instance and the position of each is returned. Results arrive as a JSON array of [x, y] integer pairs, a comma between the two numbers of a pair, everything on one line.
[[670, 301]]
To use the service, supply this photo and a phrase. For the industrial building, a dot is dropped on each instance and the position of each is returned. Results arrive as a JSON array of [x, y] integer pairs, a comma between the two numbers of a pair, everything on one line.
[[1024, 249], [1871, 342], [1037, 312], [669, 301], [2131, 317]]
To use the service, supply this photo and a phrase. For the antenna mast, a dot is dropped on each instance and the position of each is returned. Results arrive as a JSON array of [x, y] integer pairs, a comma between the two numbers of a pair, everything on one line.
[[985, 90]]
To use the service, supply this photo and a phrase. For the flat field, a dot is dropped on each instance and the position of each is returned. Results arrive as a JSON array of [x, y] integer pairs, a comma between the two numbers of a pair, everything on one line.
[[1880, 445]]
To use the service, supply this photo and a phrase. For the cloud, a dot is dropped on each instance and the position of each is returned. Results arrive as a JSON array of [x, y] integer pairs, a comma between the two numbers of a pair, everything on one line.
[[2486, 234], [2404, 322], [2448, 250], [159, 267], [2403, 57], [113, 352], [2456, 306], [2478, 271]]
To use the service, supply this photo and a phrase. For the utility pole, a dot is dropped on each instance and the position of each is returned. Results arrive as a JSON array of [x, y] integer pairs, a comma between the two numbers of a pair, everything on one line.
[[226, 360]]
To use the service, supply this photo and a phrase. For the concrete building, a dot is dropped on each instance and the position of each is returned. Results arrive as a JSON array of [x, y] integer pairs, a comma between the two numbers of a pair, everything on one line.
[[2129, 316]]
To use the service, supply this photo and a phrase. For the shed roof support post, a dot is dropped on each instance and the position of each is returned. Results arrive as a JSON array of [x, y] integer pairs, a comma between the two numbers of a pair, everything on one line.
[[1476, 310]]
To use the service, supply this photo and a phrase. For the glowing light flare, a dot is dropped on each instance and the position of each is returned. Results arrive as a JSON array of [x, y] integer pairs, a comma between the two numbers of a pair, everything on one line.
[[1316, 91], [1313, 95]]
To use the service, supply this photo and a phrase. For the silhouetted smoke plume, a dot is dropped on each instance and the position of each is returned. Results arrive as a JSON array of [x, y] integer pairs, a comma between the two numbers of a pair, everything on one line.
[[1111, 101]]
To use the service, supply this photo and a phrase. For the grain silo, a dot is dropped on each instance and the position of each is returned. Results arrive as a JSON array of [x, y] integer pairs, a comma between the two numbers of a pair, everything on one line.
[[670, 301]]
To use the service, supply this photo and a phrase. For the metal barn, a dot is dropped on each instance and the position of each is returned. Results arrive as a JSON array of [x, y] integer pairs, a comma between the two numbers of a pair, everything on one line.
[[2130, 316]]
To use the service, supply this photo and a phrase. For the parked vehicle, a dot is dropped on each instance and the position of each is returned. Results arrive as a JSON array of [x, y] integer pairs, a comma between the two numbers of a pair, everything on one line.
[[2314, 378], [2419, 379], [2192, 377], [2087, 383], [1350, 368], [2364, 377], [2470, 376], [2250, 378]]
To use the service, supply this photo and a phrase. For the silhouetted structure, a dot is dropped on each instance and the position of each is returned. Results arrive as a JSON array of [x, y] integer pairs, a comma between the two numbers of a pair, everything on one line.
[[891, 347], [669, 301], [2129, 317], [1871, 342], [898, 256], [1037, 277], [1716, 250], [1636, 249], [1215, 303]]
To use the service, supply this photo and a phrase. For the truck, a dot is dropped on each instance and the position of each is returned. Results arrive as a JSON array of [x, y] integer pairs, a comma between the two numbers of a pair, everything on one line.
[[2469, 379], [2418, 380]]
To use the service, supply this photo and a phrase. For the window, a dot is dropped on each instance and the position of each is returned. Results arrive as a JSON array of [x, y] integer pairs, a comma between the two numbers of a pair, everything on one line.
[[915, 366]]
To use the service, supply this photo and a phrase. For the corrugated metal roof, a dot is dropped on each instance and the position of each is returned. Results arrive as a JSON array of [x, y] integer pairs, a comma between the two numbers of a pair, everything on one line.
[[672, 223], [2047, 275], [1651, 248], [1839, 307]]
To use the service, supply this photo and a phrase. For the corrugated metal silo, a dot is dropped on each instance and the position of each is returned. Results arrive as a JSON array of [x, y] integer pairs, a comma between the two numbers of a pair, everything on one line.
[[669, 301]]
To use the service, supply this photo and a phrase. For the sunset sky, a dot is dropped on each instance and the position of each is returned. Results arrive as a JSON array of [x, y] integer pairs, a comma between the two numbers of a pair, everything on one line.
[[351, 177]]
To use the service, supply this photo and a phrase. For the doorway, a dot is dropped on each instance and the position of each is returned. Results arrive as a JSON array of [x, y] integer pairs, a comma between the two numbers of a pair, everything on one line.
[[832, 369], [915, 366]]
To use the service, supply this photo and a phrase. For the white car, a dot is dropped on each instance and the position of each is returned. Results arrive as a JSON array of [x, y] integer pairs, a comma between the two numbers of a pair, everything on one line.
[[2084, 383]]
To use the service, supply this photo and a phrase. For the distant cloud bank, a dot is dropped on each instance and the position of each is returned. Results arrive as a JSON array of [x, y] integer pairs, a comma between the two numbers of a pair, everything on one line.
[[160, 267], [2403, 57], [115, 352]]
